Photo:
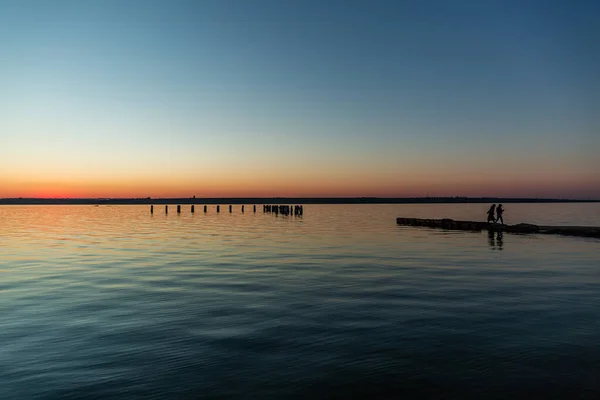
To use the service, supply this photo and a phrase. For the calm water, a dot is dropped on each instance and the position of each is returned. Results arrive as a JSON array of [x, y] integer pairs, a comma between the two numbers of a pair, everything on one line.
[[112, 302]]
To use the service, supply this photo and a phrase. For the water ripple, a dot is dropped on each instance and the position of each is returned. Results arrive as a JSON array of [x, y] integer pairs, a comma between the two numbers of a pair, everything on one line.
[[112, 302]]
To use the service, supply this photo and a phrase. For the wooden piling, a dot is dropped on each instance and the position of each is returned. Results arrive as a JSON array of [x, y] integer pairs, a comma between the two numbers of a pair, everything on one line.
[[192, 208], [218, 208], [205, 208], [242, 208], [178, 209], [152, 209], [230, 208], [254, 208], [166, 209], [283, 209]]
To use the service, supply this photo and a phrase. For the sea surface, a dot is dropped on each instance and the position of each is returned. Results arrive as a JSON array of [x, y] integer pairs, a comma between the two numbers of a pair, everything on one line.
[[112, 302]]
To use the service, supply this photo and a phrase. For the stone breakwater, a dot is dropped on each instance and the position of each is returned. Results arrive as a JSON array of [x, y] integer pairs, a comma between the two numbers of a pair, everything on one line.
[[445, 223]]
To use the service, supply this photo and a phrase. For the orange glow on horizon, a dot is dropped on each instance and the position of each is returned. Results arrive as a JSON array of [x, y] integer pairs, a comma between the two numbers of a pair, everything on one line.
[[243, 186]]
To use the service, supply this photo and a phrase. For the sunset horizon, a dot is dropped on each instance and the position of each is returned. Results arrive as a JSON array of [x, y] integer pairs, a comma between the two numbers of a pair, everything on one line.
[[235, 99], [85, 194]]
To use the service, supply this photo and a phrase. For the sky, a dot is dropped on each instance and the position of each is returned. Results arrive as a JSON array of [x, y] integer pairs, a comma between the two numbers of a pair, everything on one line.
[[224, 98]]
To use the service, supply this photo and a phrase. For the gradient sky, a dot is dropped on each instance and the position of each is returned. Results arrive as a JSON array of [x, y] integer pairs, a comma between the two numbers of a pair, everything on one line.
[[299, 98]]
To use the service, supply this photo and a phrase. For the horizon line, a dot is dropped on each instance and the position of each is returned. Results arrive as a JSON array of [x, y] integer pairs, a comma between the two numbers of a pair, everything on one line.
[[290, 197], [329, 199]]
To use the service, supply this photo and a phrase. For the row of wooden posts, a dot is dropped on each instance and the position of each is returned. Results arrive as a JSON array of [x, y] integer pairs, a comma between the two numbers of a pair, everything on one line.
[[285, 210]]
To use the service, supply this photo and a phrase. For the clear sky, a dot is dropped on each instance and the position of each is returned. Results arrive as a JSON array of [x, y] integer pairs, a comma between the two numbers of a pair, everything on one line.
[[122, 98]]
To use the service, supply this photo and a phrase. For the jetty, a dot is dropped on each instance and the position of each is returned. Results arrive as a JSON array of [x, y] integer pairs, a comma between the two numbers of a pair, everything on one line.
[[477, 226], [285, 209]]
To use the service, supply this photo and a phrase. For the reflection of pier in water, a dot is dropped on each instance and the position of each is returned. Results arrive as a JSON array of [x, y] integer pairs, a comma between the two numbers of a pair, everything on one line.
[[445, 223]]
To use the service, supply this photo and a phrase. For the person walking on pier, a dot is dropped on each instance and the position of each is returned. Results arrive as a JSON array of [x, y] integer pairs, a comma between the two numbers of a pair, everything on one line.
[[490, 214], [499, 212]]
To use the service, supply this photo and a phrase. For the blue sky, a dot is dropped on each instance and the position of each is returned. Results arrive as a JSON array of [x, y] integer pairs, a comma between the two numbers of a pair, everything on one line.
[[385, 98]]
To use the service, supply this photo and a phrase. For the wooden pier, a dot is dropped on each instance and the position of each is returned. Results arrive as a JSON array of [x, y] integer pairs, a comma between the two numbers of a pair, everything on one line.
[[296, 210], [450, 224], [283, 209]]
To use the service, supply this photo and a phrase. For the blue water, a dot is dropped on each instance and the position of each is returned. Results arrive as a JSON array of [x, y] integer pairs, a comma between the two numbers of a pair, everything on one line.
[[112, 302]]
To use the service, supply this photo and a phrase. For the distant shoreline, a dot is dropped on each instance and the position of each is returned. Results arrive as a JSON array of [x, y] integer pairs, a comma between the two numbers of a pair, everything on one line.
[[284, 200]]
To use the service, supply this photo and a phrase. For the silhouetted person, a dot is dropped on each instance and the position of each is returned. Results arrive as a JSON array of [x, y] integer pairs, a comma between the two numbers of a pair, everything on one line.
[[499, 212], [490, 214]]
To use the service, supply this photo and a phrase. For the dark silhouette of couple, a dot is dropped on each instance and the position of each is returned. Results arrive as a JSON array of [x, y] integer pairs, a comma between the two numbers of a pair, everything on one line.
[[498, 211]]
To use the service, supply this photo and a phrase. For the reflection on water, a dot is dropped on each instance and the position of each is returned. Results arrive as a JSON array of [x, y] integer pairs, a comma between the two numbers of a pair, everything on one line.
[[496, 240], [113, 302]]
